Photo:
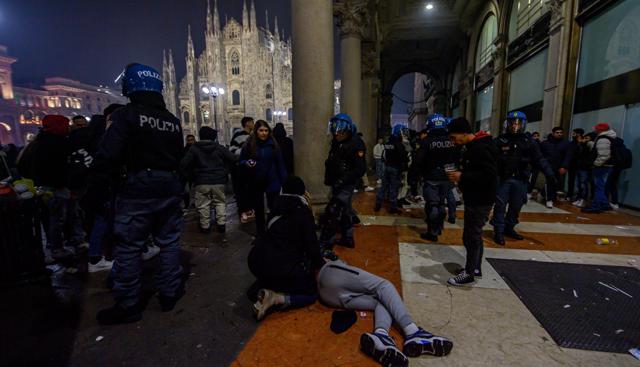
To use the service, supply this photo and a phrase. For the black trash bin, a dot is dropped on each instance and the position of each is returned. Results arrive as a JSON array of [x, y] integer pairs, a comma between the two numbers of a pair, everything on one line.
[[21, 254]]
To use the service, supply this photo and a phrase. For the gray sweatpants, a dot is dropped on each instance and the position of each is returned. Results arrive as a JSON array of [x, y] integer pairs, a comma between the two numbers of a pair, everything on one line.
[[344, 286]]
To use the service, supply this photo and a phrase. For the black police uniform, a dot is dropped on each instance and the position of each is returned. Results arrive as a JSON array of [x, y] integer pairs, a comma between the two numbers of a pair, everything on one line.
[[437, 151], [147, 140], [396, 160], [517, 153], [344, 166]]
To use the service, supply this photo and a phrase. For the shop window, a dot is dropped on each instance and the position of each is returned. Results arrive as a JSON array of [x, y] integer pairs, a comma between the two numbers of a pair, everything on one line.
[[486, 41]]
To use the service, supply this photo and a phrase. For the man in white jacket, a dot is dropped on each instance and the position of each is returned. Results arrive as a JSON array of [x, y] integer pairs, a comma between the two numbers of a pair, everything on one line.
[[602, 168], [378, 149]]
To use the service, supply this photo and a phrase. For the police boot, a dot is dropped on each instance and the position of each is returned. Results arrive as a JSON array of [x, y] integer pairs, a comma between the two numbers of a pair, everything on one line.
[[119, 315], [429, 237], [499, 239], [511, 233], [168, 303]]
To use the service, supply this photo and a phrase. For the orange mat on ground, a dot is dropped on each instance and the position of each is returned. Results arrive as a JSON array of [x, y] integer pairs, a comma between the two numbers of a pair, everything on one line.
[[303, 338]]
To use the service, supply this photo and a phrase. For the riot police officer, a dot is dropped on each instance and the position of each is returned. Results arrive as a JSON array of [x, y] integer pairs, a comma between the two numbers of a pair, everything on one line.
[[516, 154], [146, 139], [396, 160], [437, 153], [344, 166]]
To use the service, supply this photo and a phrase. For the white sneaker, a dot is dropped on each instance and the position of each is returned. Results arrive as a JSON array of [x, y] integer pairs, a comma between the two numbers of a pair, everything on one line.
[[579, 203], [369, 189], [550, 204], [528, 197], [101, 265], [355, 191], [615, 206], [152, 251], [379, 182]]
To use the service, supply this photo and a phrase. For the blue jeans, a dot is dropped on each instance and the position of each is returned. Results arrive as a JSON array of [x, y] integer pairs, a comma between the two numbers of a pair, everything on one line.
[[600, 176], [512, 193], [582, 178], [452, 205], [379, 169], [390, 186], [435, 193]]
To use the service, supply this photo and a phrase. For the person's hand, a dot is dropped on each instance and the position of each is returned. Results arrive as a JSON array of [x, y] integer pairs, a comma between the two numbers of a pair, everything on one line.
[[454, 176], [562, 171]]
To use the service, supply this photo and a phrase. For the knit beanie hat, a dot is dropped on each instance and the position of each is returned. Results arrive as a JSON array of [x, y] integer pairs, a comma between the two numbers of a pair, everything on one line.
[[55, 124], [293, 185]]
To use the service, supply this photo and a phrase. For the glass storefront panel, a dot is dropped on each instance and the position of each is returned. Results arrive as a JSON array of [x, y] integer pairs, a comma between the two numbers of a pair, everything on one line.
[[484, 104]]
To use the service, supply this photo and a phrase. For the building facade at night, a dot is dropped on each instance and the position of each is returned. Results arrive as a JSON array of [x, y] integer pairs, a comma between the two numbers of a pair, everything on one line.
[[252, 64], [22, 108]]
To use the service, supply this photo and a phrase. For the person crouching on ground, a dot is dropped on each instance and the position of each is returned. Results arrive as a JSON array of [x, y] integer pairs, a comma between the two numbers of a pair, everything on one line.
[[286, 260]]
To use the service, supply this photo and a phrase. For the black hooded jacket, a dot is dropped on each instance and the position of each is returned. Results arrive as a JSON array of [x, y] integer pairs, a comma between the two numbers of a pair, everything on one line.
[[291, 240], [479, 180], [286, 147], [207, 163]]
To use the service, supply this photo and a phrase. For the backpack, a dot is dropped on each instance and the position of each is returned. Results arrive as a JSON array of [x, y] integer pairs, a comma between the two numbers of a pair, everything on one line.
[[621, 156]]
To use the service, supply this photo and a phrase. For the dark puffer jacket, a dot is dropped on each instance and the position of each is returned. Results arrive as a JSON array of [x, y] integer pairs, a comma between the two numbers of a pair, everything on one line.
[[291, 242], [207, 163], [557, 152], [479, 180]]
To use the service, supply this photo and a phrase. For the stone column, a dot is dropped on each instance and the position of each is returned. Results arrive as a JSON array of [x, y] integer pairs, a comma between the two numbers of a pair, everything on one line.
[[498, 108], [558, 54], [369, 123], [312, 50], [351, 15]]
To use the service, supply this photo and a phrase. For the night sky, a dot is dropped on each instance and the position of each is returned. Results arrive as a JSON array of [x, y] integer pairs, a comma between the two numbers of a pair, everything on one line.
[[92, 40]]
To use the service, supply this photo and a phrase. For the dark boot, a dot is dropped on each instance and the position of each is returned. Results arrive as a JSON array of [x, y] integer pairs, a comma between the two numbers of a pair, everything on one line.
[[511, 233], [167, 303], [429, 237], [499, 239], [221, 228]]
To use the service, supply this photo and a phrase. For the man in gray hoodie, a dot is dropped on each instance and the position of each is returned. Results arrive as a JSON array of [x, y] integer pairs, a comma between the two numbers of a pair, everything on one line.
[[207, 163], [602, 168]]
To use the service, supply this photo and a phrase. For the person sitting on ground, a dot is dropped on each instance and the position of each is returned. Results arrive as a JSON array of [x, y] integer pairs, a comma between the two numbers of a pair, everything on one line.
[[348, 287], [286, 260]]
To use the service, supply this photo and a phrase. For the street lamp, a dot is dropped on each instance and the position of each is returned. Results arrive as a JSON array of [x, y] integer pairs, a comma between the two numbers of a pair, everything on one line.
[[213, 92], [280, 114]]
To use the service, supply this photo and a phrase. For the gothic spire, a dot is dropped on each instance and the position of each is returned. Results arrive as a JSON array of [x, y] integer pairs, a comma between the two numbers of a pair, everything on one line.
[[277, 32], [209, 18], [190, 50], [266, 15], [245, 17], [216, 18], [164, 59], [254, 23]]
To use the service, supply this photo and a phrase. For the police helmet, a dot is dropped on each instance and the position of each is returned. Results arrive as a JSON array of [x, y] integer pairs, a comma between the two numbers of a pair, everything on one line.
[[398, 130], [516, 123], [140, 78], [342, 123], [436, 121]]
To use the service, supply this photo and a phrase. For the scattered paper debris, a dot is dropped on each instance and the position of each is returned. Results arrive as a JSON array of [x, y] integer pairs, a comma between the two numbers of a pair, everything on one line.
[[192, 274], [199, 346], [607, 298], [567, 306], [575, 294], [422, 294], [619, 331], [533, 259], [616, 289], [583, 218], [99, 338], [596, 334], [366, 263], [562, 289]]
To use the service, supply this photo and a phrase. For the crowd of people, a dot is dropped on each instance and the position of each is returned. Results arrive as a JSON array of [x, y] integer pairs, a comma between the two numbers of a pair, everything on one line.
[[120, 184]]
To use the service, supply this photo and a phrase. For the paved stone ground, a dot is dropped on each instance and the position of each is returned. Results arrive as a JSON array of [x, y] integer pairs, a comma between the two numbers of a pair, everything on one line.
[[43, 325]]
